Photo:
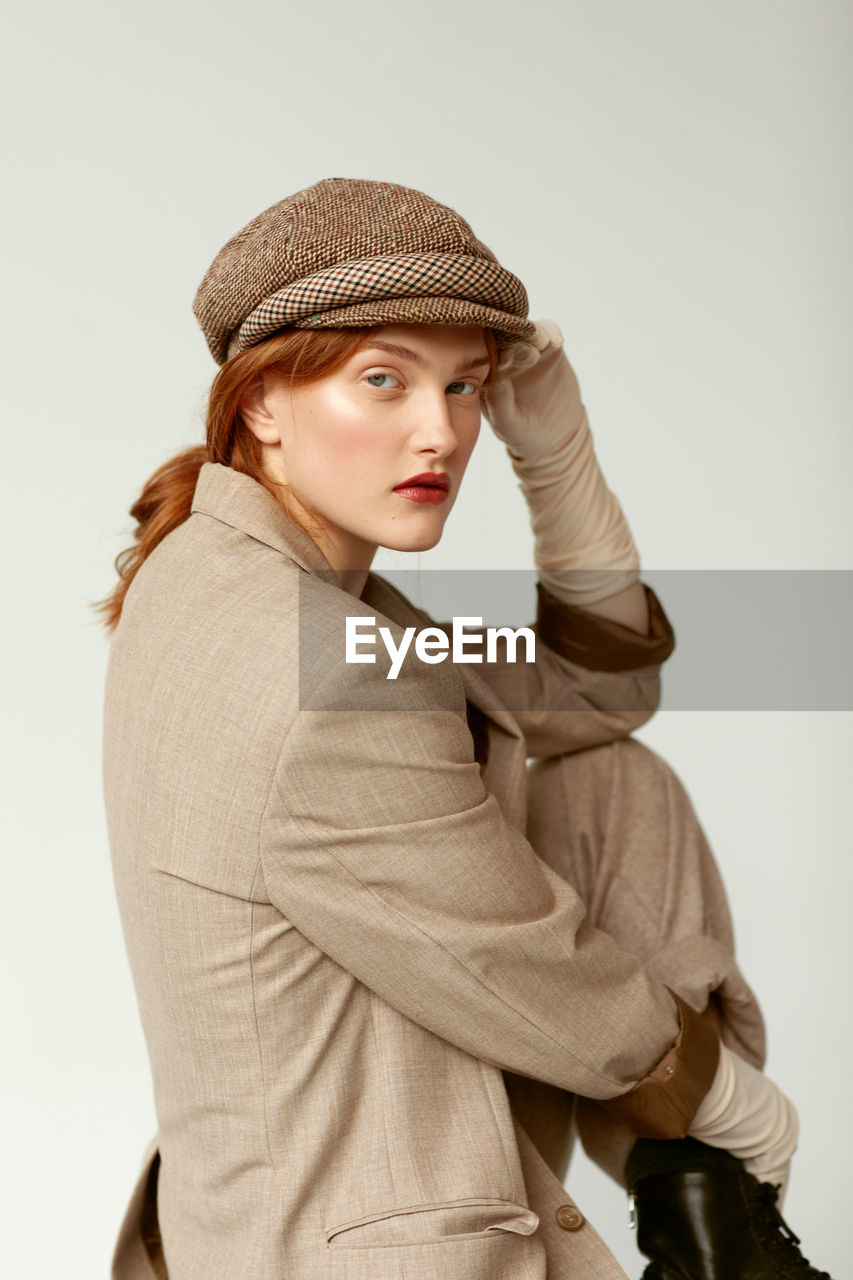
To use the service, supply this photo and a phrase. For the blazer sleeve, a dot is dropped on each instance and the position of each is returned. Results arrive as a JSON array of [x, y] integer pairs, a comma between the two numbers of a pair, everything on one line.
[[381, 845], [594, 679]]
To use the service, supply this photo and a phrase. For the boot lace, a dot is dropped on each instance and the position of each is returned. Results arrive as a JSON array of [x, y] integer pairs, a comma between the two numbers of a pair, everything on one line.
[[774, 1231]]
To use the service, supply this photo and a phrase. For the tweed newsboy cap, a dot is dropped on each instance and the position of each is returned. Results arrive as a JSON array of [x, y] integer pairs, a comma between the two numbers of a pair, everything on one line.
[[349, 251]]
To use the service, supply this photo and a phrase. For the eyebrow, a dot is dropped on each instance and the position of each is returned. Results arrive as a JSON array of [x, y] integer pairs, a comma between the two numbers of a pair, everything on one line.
[[470, 362]]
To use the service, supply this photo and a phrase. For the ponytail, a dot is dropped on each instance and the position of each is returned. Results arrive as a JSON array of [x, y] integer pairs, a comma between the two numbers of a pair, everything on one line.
[[164, 503]]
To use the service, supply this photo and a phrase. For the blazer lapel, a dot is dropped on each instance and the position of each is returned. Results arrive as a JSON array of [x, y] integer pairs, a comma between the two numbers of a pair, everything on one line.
[[238, 500]]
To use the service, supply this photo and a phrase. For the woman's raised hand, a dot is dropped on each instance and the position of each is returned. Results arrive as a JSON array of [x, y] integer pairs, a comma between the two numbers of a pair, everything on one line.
[[534, 406], [583, 546]]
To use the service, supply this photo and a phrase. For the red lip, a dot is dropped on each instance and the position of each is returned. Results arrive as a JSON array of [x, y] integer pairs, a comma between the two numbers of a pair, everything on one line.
[[427, 479]]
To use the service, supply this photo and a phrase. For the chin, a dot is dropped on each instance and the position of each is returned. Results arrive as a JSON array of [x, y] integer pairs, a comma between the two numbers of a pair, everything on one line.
[[425, 542]]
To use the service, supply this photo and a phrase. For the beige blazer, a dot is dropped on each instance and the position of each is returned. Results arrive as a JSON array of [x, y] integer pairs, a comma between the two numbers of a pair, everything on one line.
[[339, 936]]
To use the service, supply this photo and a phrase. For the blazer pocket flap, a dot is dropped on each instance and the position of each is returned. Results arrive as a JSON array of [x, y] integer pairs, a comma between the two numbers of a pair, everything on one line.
[[429, 1223]]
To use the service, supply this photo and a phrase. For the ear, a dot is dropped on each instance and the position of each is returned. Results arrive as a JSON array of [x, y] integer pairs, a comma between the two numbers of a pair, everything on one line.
[[258, 412]]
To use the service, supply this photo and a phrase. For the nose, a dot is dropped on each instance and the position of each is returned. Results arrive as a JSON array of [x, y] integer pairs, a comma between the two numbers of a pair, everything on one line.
[[434, 433]]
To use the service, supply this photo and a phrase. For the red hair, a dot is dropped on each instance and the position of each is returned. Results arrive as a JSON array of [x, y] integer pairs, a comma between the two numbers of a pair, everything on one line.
[[301, 356]]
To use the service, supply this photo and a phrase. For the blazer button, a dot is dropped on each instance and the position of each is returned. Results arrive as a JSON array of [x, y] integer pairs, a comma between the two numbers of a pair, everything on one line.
[[570, 1217]]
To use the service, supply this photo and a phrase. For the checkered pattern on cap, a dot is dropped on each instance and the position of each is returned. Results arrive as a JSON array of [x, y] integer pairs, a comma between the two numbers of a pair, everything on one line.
[[349, 251]]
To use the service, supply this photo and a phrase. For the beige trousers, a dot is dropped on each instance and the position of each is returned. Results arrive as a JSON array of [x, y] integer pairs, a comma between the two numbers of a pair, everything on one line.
[[616, 822]]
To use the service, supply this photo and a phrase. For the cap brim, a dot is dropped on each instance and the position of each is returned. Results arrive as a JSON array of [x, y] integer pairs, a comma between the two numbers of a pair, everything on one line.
[[507, 328]]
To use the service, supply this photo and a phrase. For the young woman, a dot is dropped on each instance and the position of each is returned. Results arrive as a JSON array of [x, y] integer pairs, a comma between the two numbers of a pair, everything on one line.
[[383, 968]]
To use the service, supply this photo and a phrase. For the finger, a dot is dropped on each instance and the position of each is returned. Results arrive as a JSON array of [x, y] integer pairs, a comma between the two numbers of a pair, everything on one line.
[[547, 333]]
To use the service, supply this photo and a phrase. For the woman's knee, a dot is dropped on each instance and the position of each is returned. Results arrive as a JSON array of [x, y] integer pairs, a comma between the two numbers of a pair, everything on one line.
[[608, 810]]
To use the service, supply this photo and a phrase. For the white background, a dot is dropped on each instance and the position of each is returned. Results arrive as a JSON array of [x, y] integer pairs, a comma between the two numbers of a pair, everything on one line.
[[672, 182]]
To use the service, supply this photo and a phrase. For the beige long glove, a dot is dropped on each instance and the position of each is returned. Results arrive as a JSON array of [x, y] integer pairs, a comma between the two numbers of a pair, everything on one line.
[[583, 546], [747, 1115]]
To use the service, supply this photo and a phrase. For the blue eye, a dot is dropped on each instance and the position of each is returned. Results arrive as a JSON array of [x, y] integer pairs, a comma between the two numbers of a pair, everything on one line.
[[371, 377]]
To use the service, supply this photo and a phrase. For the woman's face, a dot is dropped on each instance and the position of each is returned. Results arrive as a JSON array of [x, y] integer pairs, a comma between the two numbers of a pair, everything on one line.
[[347, 444]]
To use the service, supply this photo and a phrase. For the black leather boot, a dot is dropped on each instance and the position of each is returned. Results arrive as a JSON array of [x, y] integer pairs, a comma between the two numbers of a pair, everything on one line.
[[701, 1216]]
